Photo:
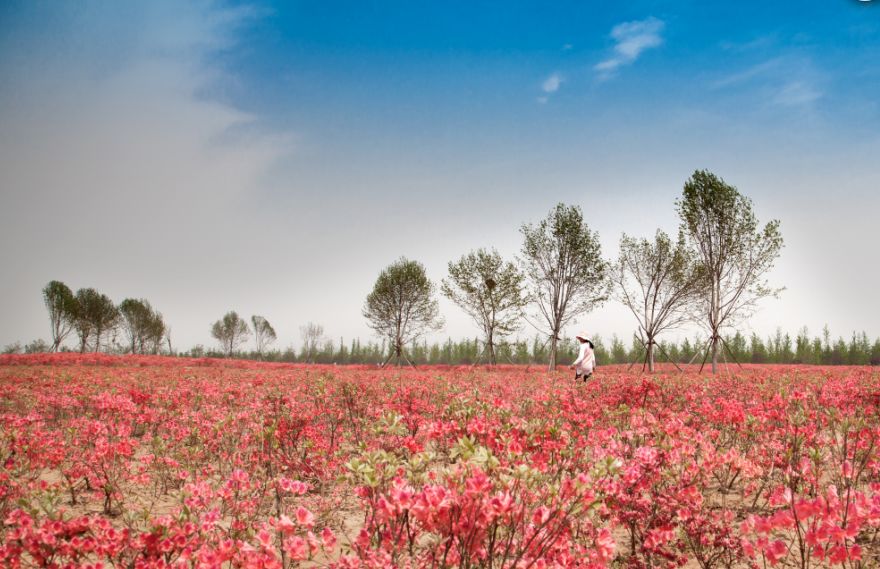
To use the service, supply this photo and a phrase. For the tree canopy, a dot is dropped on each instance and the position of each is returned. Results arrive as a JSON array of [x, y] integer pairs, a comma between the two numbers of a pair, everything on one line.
[[567, 275], [491, 291], [264, 333], [144, 327], [658, 281], [231, 331], [401, 307], [734, 253], [95, 316], [61, 305]]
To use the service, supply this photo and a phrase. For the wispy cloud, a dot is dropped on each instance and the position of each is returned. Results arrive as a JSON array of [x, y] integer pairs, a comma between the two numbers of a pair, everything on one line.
[[552, 83], [748, 74], [784, 80], [631, 40], [760, 42], [797, 94], [549, 86]]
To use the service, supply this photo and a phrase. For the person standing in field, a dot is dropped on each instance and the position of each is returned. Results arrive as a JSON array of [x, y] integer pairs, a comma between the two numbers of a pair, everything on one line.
[[586, 360]]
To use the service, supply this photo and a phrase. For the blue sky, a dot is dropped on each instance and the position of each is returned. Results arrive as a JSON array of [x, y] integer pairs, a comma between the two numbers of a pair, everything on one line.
[[271, 158]]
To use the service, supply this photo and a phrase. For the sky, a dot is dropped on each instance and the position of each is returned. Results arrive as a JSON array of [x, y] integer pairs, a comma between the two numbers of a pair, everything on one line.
[[272, 158]]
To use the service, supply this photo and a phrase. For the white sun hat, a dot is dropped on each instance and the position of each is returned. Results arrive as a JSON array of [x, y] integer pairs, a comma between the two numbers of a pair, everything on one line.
[[583, 336]]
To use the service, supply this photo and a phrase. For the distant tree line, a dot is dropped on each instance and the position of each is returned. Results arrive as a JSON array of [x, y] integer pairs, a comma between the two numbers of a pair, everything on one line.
[[778, 348], [713, 274]]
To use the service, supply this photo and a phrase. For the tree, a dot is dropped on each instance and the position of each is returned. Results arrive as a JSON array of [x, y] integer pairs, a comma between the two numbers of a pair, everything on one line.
[[154, 335], [490, 291], [95, 315], [167, 339], [562, 260], [61, 305], [312, 334], [37, 346], [657, 280], [144, 326], [135, 315], [759, 351], [231, 331], [734, 254], [401, 307], [264, 334]]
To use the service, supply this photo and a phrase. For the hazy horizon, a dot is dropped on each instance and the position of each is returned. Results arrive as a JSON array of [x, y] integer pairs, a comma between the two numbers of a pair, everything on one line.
[[273, 158]]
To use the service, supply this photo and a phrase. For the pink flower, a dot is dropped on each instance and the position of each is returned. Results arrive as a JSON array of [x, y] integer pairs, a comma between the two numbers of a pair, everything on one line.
[[328, 538], [296, 548], [605, 545], [541, 515], [305, 517], [286, 525]]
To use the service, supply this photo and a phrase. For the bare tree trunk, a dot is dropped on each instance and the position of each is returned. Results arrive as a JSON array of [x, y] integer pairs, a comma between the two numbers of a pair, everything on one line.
[[716, 299], [492, 359], [553, 348], [398, 350], [650, 349], [168, 340], [715, 353]]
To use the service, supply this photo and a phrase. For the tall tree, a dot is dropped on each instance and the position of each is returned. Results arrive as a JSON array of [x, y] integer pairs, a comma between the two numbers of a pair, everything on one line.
[[143, 326], [231, 331], [61, 305], [95, 316], [312, 334], [490, 291], [401, 307], [154, 335], [734, 253], [264, 334], [563, 262], [657, 280]]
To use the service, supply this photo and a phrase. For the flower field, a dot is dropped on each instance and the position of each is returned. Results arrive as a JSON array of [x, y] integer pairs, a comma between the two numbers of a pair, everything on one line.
[[156, 462]]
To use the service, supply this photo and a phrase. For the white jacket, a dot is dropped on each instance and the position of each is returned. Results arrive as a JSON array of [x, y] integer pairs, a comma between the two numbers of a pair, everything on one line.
[[586, 360]]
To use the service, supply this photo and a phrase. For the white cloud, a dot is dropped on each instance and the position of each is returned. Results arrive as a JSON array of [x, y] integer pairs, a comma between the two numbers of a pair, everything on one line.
[[552, 83], [117, 161], [797, 94], [788, 81], [749, 74], [631, 39]]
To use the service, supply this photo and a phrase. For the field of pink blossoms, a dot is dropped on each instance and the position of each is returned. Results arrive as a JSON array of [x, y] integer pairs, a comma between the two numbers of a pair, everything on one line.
[[136, 462]]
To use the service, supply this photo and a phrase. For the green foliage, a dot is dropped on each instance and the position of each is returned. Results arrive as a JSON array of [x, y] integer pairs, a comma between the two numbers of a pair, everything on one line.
[[734, 254], [231, 331], [94, 316], [563, 263], [401, 307], [37, 346], [143, 326], [490, 291], [61, 305], [264, 334], [531, 351], [658, 281]]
